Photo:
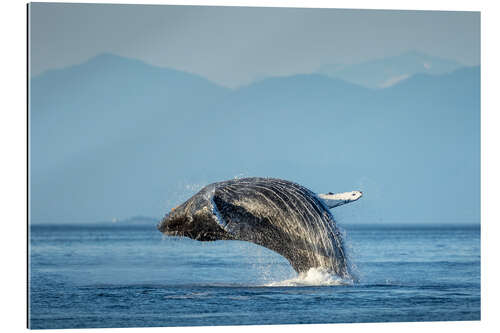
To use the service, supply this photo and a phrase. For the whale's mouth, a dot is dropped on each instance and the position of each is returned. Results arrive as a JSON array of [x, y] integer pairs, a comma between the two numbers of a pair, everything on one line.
[[174, 224], [169, 228], [197, 235]]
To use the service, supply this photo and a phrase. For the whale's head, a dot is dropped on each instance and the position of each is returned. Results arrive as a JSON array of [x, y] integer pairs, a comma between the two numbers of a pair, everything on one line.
[[194, 218]]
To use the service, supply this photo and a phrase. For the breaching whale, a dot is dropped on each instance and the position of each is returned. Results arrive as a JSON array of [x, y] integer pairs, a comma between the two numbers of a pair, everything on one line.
[[280, 215]]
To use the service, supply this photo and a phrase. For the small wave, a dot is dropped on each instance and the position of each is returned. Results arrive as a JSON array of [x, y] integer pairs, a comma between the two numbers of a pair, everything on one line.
[[313, 277], [187, 296]]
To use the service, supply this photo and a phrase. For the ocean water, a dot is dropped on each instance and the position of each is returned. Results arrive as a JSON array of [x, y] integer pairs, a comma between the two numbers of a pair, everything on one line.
[[84, 276]]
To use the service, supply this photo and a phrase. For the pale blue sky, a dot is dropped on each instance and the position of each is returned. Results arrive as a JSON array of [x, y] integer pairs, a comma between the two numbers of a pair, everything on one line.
[[235, 45]]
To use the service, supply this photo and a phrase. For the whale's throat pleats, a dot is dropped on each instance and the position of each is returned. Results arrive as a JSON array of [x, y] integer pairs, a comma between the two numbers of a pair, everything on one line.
[[284, 217]]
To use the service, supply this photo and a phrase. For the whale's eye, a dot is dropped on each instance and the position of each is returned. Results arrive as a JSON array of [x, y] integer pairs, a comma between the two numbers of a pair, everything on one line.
[[354, 194]]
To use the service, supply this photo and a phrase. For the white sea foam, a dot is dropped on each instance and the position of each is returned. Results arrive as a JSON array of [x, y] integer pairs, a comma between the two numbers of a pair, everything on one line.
[[313, 277]]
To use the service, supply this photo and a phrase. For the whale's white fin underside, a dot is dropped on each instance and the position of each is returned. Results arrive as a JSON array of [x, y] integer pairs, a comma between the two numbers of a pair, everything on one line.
[[218, 217], [332, 200]]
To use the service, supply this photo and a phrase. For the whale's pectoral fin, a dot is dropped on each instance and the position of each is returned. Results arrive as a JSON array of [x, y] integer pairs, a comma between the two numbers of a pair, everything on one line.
[[217, 216], [332, 200], [235, 219]]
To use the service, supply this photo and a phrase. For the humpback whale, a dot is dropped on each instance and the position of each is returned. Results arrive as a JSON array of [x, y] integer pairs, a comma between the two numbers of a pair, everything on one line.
[[280, 215]]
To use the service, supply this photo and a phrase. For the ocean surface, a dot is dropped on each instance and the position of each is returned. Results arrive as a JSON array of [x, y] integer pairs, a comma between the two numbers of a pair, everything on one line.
[[84, 276]]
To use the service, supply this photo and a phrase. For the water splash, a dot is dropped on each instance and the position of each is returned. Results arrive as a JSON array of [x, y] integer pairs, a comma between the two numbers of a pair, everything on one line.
[[240, 175], [315, 276]]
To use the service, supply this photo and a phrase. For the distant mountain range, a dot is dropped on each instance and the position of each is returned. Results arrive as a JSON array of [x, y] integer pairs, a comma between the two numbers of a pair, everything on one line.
[[114, 137], [385, 72]]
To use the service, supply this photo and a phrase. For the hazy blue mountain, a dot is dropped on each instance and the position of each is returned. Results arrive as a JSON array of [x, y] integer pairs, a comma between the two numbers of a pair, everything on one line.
[[114, 138], [413, 148], [385, 72], [92, 127]]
